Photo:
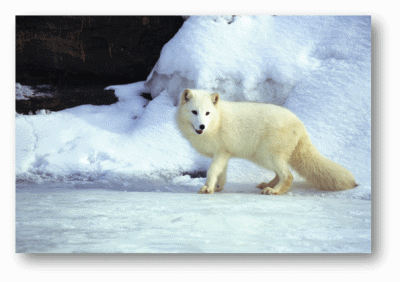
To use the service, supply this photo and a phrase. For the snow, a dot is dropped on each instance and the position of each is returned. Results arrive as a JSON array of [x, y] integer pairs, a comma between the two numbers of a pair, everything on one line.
[[23, 92], [241, 57], [78, 218], [115, 178]]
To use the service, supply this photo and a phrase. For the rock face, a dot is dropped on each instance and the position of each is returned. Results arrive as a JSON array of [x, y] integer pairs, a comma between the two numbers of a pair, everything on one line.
[[90, 50], [62, 97]]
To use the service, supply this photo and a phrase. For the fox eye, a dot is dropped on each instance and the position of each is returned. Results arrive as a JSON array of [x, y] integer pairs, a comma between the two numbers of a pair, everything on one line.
[[194, 112], [207, 113]]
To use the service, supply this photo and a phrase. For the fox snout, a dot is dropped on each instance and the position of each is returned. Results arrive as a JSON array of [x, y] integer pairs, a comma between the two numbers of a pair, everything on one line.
[[202, 126]]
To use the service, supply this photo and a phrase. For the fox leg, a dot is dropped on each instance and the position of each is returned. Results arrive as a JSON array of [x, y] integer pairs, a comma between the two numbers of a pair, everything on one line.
[[285, 179], [271, 184], [221, 180], [218, 166]]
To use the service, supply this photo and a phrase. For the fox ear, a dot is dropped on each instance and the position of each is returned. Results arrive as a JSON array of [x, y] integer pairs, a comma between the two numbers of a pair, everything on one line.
[[186, 96], [215, 98]]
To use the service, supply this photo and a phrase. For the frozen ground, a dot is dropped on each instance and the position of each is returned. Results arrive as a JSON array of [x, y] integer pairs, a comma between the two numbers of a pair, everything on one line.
[[74, 166], [158, 218]]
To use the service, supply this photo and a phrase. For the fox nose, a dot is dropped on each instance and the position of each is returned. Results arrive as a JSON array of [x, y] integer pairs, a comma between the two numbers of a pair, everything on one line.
[[202, 126]]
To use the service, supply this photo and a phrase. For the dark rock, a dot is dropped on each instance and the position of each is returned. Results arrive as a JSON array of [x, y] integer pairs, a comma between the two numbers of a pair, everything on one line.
[[64, 97], [90, 50], [196, 174], [147, 96]]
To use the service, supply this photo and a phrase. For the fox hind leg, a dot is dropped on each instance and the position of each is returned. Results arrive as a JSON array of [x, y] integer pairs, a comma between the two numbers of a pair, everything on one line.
[[283, 179], [271, 184]]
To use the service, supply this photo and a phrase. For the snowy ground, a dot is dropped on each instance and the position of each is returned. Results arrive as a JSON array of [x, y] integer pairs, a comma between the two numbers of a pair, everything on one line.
[[95, 218], [74, 166]]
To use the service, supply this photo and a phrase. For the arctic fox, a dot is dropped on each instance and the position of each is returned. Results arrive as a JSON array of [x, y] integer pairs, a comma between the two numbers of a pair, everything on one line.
[[268, 135]]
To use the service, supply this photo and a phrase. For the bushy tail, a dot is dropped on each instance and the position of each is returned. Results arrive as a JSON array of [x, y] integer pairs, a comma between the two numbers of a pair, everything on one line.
[[319, 171]]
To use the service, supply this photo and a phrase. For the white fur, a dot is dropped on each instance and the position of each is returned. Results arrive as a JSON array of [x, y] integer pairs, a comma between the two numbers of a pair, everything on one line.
[[266, 134]]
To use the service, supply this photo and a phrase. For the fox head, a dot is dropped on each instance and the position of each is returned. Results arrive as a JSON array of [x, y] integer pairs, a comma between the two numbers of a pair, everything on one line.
[[199, 109]]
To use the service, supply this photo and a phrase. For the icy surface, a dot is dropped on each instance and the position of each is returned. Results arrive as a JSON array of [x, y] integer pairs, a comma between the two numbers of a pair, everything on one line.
[[318, 67], [174, 219]]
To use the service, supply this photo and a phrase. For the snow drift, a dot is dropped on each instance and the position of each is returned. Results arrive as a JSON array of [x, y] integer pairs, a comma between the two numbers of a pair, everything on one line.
[[240, 57]]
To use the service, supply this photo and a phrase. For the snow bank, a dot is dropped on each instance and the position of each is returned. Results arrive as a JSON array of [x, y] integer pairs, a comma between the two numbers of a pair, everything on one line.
[[128, 139], [334, 100], [318, 67], [258, 59]]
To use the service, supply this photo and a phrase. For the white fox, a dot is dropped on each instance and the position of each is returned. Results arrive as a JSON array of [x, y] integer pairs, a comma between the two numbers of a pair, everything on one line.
[[265, 134]]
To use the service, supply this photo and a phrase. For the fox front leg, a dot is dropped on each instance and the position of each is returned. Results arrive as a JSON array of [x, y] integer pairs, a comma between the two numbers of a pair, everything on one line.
[[221, 180], [218, 166]]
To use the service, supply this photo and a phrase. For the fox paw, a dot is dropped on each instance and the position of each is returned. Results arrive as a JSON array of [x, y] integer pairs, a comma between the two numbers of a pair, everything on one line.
[[219, 188], [269, 191], [206, 190], [262, 185]]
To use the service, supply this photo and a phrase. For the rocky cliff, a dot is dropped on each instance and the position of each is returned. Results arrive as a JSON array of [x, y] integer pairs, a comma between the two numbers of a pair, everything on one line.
[[82, 50], [75, 57]]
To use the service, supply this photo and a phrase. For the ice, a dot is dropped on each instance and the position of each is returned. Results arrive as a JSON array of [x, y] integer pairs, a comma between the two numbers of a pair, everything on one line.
[[96, 219]]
